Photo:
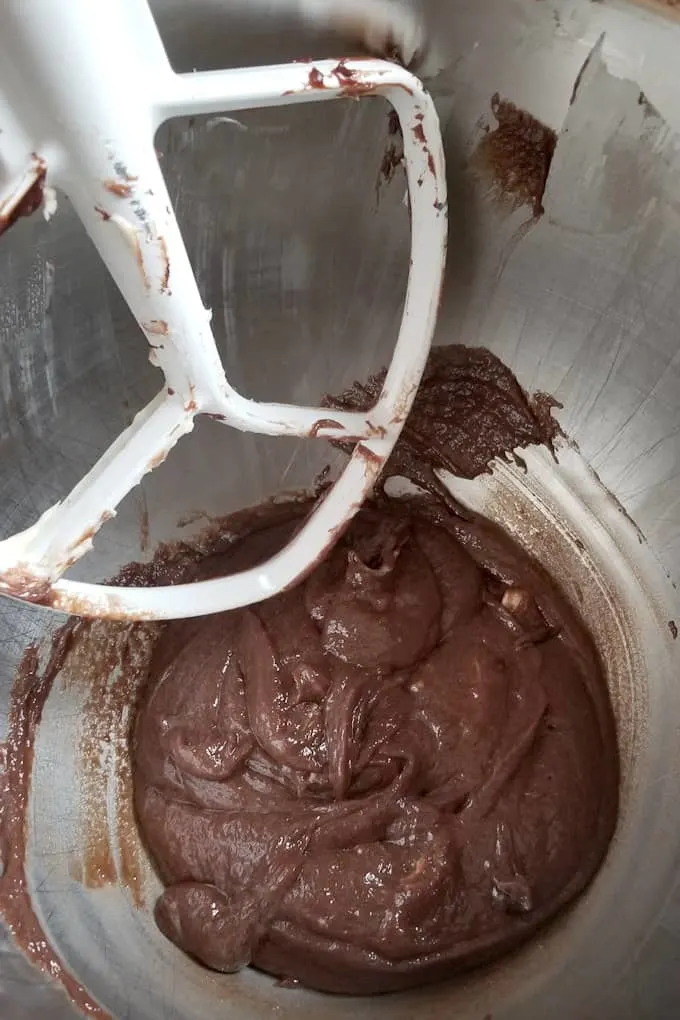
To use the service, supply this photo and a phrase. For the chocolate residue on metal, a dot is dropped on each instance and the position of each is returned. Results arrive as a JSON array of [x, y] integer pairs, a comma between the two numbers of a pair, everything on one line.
[[517, 155], [90, 532], [84, 655], [673, 628], [579, 76], [144, 530], [110, 855], [542, 406], [392, 159], [30, 201], [194, 515], [29, 695], [87, 537], [118, 188], [650, 109], [488, 415]]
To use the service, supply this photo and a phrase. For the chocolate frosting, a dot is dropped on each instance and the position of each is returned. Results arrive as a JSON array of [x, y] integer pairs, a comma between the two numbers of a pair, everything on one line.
[[395, 771]]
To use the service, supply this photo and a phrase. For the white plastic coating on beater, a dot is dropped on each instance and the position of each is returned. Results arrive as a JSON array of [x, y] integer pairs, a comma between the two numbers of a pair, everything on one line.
[[100, 111]]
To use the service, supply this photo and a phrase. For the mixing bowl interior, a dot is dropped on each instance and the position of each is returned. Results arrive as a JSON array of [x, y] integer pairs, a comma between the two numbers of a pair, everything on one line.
[[300, 248]]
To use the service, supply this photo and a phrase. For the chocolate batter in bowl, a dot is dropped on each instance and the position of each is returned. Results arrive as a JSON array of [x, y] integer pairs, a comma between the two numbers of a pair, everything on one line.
[[581, 303], [394, 772], [402, 767]]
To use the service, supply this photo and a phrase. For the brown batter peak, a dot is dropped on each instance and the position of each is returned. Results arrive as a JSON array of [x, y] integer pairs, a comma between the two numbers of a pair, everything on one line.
[[469, 410]]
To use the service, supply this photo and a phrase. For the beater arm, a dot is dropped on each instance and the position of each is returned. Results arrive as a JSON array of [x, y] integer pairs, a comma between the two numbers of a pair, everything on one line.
[[80, 115]]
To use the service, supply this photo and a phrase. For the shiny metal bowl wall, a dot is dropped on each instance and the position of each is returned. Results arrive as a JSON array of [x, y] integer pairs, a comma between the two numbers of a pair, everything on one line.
[[300, 247]]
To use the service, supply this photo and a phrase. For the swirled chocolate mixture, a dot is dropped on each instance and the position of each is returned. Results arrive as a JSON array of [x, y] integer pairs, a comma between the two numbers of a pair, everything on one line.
[[392, 773]]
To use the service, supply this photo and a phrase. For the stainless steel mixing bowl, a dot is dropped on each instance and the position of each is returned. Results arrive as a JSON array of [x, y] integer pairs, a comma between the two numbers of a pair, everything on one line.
[[300, 249]]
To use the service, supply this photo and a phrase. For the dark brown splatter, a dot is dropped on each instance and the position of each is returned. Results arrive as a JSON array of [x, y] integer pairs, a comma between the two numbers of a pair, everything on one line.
[[419, 132], [392, 159], [648, 108], [350, 80], [315, 79], [579, 78], [673, 628], [344, 74], [144, 530], [323, 423], [517, 155], [393, 156]]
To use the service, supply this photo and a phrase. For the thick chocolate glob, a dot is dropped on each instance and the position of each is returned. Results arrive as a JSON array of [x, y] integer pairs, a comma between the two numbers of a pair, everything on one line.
[[392, 773]]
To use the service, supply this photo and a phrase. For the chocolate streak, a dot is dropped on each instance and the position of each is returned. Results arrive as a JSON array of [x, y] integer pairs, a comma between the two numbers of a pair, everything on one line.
[[517, 155], [404, 766], [30, 692]]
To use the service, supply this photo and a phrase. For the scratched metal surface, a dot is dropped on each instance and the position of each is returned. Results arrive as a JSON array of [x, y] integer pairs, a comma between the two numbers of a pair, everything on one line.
[[302, 260]]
